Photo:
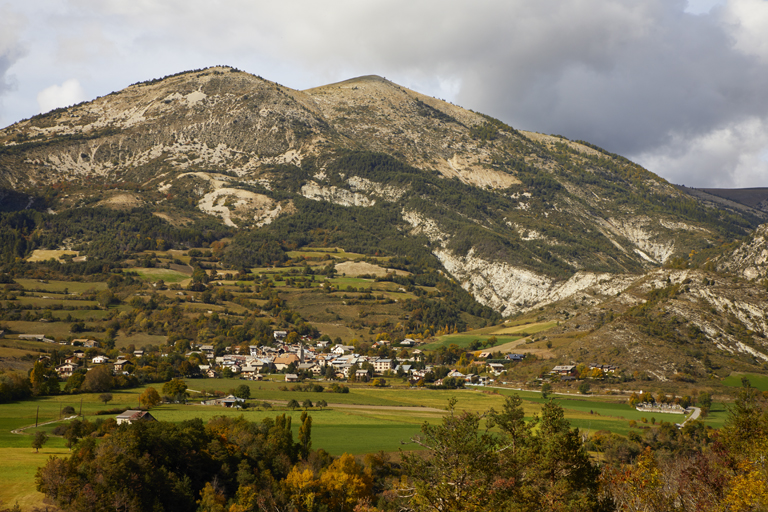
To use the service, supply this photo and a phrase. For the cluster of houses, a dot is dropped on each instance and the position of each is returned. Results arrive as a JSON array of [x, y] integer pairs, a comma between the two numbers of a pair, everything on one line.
[[660, 407], [299, 357], [78, 359]]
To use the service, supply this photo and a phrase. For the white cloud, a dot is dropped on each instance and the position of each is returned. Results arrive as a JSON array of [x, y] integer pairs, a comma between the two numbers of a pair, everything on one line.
[[732, 156], [11, 48], [64, 95], [702, 6]]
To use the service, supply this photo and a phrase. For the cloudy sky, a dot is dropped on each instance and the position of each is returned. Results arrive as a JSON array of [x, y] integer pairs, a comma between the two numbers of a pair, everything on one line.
[[678, 86]]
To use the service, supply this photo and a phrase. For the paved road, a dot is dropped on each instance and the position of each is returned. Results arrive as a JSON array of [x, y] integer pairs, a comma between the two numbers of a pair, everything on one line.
[[694, 416]]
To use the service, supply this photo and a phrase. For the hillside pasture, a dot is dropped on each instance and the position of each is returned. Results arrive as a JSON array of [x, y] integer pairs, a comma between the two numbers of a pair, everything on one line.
[[49, 302], [59, 286], [465, 339], [156, 274], [138, 340], [49, 329], [524, 329], [756, 381], [49, 254]]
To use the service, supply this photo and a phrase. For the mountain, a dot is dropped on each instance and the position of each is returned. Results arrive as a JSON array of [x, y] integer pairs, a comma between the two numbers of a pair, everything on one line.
[[520, 220]]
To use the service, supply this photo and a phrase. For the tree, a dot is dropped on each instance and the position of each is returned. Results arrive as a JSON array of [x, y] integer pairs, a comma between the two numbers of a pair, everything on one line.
[[149, 398], [98, 380], [457, 472], [243, 391], [584, 388], [704, 401], [464, 468], [305, 435], [176, 389], [330, 372], [546, 389], [39, 440], [321, 404], [293, 404], [306, 404], [105, 397], [345, 483]]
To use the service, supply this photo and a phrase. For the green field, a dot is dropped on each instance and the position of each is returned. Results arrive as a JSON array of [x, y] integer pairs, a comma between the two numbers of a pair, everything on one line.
[[757, 381], [464, 340], [43, 302], [49, 329], [60, 286], [156, 274]]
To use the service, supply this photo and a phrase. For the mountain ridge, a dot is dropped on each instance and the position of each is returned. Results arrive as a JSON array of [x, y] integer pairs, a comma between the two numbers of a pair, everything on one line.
[[483, 194]]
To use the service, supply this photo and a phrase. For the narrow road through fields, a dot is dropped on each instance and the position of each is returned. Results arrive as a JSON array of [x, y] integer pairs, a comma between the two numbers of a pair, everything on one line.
[[22, 429]]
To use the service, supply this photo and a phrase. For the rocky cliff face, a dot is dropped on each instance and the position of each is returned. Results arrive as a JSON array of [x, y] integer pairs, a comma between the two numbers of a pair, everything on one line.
[[749, 259]]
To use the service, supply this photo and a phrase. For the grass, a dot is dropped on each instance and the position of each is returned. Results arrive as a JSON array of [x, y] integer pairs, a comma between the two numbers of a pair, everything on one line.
[[464, 340], [17, 472], [49, 302], [47, 254], [156, 274], [525, 328], [757, 381], [49, 329], [335, 430], [139, 340], [504, 334], [60, 286]]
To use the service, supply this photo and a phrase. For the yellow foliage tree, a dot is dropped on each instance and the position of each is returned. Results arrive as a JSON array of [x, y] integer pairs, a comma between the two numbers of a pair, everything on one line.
[[345, 483], [303, 487], [211, 500], [748, 490]]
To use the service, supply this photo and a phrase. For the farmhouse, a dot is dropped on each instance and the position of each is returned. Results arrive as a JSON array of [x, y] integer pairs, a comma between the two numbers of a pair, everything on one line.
[[65, 371], [496, 368], [119, 366], [131, 416], [565, 369]]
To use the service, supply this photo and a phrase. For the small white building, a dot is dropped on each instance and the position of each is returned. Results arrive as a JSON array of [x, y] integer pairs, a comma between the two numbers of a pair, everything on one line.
[[132, 416]]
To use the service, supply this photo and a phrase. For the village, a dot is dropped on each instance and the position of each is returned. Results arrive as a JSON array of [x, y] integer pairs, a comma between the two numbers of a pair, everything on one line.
[[299, 358]]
